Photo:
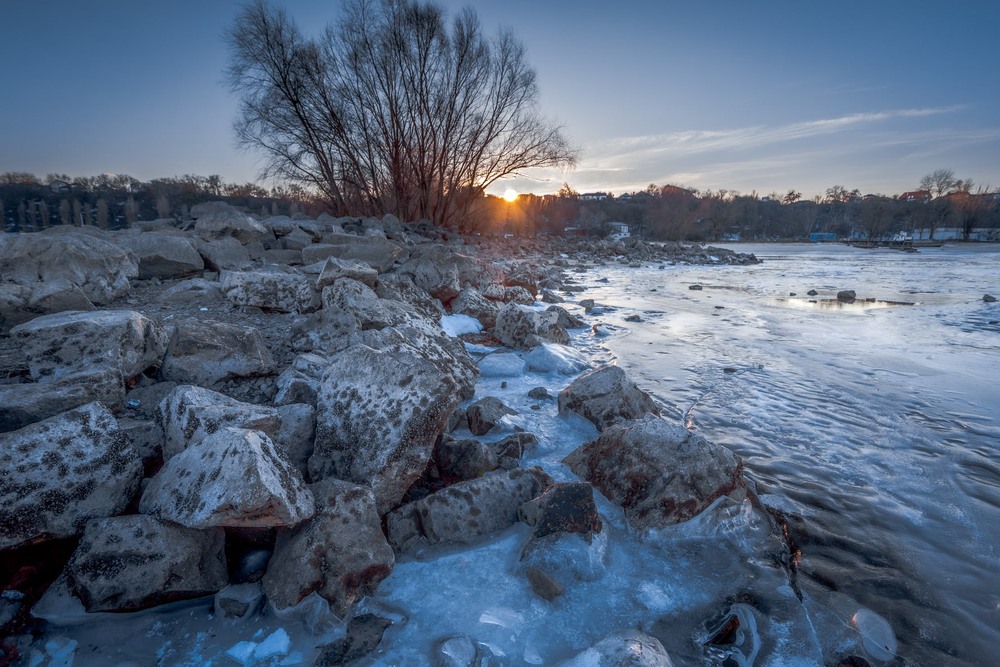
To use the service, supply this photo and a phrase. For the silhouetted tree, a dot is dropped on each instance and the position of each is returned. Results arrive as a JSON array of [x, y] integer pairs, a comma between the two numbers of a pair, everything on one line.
[[390, 110]]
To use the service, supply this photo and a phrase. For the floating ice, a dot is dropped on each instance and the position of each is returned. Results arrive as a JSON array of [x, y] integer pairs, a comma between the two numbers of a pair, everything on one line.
[[555, 358], [276, 644], [242, 652]]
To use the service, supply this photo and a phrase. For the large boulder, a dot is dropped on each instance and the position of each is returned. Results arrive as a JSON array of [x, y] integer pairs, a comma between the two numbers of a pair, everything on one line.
[[127, 563], [283, 291], [21, 303], [205, 352], [378, 416], [629, 648], [224, 254], [341, 554], [163, 255], [466, 511], [188, 414], [215, 220], [486, 413], [71, 341], [100, 269], [444, 273], [334, 269], [377, 252], [27, 403], [522, 327], [356, 299], [58, 473], [234, 478], [659, 473], [401, 288], [606, 396]]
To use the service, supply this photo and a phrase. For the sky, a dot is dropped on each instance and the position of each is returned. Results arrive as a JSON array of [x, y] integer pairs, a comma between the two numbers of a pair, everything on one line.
[[748, 96]]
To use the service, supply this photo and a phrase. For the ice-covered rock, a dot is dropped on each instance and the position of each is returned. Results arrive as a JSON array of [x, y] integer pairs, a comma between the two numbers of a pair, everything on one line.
[[342, 553], [567, 507], [188, 414], [629, 648], [659, 473], [163, 255], [521, 327], [235, 478], [126, 563], [555, 358], [206, 352], [502, 364], [463, 512], [606, 396], [486, 413], [457, 325], [60, 472], [378, 416], [284, 291], [239, 600], [100, 269], [364, 633], [71, 341]]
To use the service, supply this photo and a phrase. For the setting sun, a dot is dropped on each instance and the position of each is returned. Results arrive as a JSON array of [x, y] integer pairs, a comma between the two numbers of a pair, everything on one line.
[[510, 194]]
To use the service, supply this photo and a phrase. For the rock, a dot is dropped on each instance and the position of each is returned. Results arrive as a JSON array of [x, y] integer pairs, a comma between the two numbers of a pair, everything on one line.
[[847, 296], [163, 255], [443, 273], [465, 511], [470, 302], [659, 473], [378, 417], [99, 268], [194, 293], [19, 304], [518, 294], [566, 319], [223, 254], [502, 364], [296, 239], [215, 220], [540, 394], [234, 478], [401, 288], [341, 554], [69, 342], [58, 473], [542, 584], [567, 507], [335, 268], [588, 304], [633, 318], [696, 288], [378, 253], [458, 460], [360, 301], [127, 563], [510, 450], [485, 413], [297, 434], [629, 648], [522, 328], [23, 404], [206, 352], [273, 290], [812, 292], [606, 396], [239, 600], [551, 297], [188, 414], [364, 633], [989, 298]]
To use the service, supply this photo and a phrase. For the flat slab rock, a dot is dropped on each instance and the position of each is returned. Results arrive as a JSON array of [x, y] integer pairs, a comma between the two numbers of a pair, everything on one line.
[[234, 478], [127, 563], [205, 352], [60, 472], [659, 473]]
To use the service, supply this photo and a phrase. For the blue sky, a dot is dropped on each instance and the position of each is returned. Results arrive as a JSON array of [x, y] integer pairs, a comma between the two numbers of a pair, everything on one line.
[[764, 96]]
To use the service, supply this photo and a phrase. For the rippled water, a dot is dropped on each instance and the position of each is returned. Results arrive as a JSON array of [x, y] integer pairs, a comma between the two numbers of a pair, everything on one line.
[[873, 426]]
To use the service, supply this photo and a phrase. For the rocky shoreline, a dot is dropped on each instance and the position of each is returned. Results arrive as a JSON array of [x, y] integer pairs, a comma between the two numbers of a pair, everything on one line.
[[271, 412]]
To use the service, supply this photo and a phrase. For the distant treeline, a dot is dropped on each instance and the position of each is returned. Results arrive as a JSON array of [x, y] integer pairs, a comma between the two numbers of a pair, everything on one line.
[[666, 213], [112, 201]]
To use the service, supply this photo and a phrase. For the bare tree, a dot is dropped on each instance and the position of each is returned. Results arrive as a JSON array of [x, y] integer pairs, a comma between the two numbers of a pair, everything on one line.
[[939, 182], [391, 110]]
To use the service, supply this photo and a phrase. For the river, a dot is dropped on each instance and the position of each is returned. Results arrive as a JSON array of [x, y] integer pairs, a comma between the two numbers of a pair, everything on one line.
[[872, 425]]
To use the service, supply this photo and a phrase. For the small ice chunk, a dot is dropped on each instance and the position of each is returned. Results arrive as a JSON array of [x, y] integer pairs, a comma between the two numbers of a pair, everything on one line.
[[242, 653], [501, 364], [456, 325], [61, 651], [278, 643], [504, 617]]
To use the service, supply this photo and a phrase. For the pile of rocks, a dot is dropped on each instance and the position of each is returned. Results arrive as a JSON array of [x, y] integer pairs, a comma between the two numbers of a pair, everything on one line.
[[261, 410]]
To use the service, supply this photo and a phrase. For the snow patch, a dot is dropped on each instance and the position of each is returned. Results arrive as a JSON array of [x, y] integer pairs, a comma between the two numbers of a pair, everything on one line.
[[456, 325]]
